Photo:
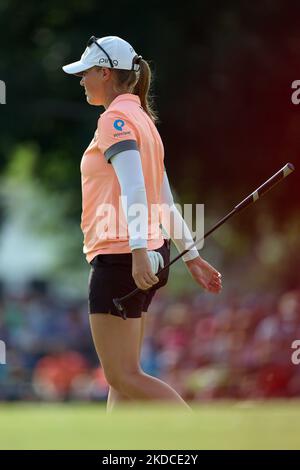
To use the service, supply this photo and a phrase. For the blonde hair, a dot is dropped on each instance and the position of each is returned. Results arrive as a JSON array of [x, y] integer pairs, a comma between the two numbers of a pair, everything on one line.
[[139, 83]]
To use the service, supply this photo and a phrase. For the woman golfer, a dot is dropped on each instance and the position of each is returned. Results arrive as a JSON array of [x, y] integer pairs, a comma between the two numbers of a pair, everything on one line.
[[122, 170]]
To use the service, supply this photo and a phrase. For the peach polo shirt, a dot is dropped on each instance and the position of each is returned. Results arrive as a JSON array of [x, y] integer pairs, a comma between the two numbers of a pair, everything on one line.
[[123, 126]]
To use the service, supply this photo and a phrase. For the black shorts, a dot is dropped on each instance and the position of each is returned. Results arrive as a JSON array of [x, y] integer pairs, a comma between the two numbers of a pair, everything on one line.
[[111, 277]]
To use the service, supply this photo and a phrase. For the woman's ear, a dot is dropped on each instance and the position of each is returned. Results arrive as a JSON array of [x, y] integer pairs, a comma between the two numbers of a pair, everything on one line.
[[106, 73]]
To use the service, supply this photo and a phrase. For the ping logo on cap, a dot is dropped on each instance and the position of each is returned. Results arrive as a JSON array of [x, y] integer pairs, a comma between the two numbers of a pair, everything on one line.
[[118, 124]]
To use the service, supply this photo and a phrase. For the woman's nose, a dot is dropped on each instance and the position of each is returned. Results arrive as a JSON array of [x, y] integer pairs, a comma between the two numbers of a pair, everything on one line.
[[82, 82]]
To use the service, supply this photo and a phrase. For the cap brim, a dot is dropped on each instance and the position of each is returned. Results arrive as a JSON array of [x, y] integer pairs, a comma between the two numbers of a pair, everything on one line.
[[76, 67]]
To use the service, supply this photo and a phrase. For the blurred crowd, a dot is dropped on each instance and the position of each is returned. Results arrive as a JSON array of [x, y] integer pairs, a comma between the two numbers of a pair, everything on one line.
[[207, 347]]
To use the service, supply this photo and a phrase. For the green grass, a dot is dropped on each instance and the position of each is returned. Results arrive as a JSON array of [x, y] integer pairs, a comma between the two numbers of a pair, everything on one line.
[[230, 425]]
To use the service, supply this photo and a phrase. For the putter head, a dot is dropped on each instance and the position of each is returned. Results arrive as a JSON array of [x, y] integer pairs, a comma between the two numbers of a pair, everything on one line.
[[120, 308]]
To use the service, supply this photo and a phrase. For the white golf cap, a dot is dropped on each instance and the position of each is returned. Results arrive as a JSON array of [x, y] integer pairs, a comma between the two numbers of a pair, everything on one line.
[[109, 51]]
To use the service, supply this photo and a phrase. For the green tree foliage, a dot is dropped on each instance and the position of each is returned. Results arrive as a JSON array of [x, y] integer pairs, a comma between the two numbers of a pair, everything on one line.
[[223, 74]]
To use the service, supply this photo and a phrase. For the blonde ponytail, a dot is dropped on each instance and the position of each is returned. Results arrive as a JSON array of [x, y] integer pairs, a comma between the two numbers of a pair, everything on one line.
[[142, 89], [139, 83]]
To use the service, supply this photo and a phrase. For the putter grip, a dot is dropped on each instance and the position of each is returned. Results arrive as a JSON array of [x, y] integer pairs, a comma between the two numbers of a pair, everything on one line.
[[120, 308]]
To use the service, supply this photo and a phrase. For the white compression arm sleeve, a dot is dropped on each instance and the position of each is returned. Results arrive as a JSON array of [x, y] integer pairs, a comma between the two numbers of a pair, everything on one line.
[[129, 171], [173, 222]]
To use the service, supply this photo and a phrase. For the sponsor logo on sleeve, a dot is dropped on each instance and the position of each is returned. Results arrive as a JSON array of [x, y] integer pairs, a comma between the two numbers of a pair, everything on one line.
[[118, 125]]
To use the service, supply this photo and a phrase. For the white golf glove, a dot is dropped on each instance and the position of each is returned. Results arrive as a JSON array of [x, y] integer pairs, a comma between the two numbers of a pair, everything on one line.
[[156, 260]]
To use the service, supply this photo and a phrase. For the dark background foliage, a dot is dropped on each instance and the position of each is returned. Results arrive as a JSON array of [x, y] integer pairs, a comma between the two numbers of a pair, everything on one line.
[[223, 72]]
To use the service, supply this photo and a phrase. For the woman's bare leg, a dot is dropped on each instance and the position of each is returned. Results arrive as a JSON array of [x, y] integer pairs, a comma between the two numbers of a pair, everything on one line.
[[113, 395], [117, 343]]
